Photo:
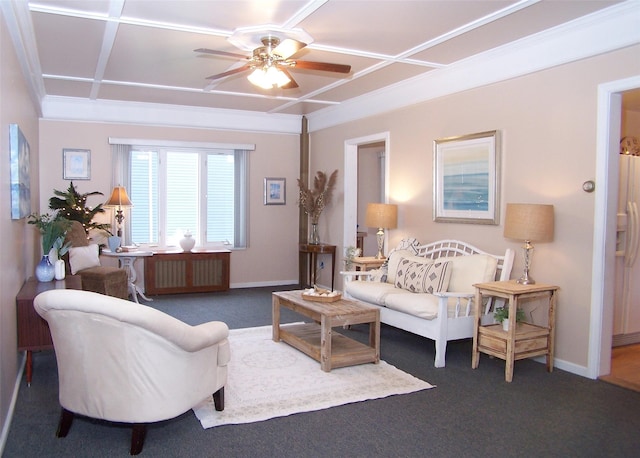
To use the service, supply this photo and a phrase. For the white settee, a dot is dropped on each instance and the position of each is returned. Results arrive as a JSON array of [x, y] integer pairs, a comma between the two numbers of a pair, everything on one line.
[[428, 289]]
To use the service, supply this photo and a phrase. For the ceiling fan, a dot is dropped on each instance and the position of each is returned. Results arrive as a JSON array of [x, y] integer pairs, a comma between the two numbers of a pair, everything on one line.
[[271, 63]]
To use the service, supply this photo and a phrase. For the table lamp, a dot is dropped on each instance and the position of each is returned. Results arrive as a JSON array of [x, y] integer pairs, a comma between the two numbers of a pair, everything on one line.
[[381, 216], [118, 200], [531, 223]]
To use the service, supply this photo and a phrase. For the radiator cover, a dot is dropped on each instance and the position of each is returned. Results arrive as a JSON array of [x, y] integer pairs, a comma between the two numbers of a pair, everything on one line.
[[197, 271]]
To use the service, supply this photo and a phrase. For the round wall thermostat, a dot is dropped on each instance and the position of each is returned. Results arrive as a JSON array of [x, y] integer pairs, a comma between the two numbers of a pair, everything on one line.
[[589, 186]]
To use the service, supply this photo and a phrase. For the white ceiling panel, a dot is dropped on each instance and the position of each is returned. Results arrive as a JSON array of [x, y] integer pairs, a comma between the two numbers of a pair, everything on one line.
[[143, 50]]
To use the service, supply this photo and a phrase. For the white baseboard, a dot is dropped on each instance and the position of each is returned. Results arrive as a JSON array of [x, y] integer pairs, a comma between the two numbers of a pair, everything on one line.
[[12, 406]]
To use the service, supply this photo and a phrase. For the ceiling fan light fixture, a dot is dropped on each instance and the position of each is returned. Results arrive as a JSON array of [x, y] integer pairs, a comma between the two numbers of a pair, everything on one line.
[[268, 77]]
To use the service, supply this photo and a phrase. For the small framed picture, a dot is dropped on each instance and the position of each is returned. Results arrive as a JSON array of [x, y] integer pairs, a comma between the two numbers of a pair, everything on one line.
[[275, 191], [76, 164]]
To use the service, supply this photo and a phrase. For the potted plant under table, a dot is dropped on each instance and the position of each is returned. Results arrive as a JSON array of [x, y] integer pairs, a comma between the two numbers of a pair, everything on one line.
[[501, 315]]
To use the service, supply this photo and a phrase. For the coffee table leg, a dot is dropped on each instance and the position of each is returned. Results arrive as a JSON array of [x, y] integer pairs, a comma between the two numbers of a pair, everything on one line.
[[275, 318], [374, 338], [325, 344]]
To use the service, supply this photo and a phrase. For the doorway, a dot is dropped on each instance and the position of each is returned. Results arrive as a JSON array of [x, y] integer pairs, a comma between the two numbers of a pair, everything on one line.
[[352, 147], [604, 247]]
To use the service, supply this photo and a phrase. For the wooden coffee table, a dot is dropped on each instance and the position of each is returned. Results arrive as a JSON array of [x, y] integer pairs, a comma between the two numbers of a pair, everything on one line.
[[317, 339]]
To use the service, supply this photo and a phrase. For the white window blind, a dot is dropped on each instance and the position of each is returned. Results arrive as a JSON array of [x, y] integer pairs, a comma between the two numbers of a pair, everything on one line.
[[197, 189]]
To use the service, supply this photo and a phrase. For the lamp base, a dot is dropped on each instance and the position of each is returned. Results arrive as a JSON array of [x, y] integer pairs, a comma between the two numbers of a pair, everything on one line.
[[380, 239], [527, 251], [525, 280]]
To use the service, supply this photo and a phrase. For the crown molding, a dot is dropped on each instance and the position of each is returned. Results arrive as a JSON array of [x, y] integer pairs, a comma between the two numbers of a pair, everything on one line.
[[605, 31], [82, 110]]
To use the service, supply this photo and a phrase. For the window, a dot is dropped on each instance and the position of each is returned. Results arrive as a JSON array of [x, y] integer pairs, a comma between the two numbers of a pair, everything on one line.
[[188, 189]]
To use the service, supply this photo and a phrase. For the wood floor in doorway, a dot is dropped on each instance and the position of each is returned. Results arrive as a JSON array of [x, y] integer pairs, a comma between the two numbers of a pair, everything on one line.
[[625, 367]]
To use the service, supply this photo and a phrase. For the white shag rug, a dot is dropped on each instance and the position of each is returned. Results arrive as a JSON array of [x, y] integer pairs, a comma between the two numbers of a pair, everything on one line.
[[268, 379]]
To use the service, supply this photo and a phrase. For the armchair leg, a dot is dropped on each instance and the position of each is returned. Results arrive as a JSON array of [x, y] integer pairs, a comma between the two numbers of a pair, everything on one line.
[[138, 434], [218, 399], [66, 418]]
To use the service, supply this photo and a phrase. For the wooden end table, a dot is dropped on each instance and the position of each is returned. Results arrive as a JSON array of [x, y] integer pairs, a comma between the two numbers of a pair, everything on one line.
[[33, 330], [332, 350], [367, 262], [312, 251], [522, 340]]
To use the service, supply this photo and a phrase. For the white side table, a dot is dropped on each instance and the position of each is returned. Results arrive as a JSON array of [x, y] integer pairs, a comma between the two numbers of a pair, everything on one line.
[[126, 260]]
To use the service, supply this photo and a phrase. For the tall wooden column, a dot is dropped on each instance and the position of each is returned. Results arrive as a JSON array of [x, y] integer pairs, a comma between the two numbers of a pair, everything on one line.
[[303, 219]]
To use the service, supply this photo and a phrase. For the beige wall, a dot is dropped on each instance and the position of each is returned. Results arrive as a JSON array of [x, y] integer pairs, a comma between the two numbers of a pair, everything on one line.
[[271, 257], [19, 240], [547, 122]]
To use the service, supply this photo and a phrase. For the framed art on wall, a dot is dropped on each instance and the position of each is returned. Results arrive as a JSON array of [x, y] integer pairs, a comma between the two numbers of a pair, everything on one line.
[[20, 175], [76, 164], [275, 191], [466, 179]]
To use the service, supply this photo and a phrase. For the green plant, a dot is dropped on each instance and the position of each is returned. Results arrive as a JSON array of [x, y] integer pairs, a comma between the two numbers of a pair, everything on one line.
[[502, 313], [53, 229], [349, 253], [73, 206]]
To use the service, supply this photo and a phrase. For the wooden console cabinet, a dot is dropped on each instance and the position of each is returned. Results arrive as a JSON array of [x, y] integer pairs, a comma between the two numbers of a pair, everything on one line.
[[33, 331], [197, 271]]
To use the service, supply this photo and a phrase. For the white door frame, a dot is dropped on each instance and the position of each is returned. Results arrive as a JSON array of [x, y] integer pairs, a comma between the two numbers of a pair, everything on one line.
[[604, 235], [351, 181]]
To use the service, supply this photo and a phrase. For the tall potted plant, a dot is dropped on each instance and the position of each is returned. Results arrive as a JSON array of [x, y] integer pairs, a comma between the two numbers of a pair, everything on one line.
[[52, 229]]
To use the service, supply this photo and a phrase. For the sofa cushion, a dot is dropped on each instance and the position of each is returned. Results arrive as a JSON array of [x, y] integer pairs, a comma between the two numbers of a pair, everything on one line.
[[422, 305], [469, 269], [369, 291], [83, 257], [423, 277]]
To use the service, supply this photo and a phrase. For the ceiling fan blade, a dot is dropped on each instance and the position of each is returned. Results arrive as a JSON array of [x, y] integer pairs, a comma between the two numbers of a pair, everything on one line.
[[229, 73], [220, 53], [292, 83], [288, 48], [324, 66]]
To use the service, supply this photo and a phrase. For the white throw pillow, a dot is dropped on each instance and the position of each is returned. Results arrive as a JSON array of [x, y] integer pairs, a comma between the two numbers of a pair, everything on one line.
[[83, 257], [392, 263], [469, 269], [421, 277]]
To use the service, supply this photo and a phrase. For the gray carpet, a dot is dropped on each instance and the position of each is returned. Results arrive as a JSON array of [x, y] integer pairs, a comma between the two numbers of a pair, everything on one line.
[[470, 413]]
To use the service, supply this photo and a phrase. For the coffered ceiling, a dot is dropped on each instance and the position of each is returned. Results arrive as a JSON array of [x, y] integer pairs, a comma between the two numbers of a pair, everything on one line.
[[143, 50]]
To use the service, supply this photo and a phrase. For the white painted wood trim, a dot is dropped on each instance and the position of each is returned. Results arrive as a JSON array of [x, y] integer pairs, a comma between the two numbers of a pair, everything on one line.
[[602, 274], [74, 109], [181, 144]]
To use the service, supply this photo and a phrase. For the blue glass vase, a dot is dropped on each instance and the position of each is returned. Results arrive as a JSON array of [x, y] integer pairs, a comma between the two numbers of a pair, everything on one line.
[[45, 271]]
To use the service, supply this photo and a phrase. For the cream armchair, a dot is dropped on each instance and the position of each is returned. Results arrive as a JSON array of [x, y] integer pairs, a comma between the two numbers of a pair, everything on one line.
[[126, 362]]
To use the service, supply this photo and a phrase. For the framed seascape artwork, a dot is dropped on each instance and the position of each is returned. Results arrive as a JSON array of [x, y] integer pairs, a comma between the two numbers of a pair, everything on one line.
[[466, 179], [275, 191], [20, 184], [76, 164]]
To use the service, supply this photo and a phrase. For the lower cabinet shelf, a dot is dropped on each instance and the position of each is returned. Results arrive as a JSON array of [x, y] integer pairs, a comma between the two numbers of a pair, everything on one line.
[[198, 271]]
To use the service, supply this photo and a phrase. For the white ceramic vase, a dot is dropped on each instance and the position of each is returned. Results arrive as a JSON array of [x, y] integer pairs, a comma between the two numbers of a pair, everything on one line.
[[187, 242], [59, 270]]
